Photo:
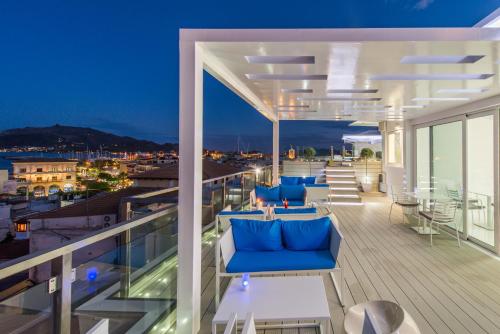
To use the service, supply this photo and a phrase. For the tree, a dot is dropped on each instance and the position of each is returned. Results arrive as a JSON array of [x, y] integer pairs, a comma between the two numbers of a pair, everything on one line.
[[366, 154], [309, 153]]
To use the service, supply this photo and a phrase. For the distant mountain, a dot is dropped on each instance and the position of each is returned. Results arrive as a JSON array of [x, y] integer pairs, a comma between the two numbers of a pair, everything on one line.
[[70, 138]]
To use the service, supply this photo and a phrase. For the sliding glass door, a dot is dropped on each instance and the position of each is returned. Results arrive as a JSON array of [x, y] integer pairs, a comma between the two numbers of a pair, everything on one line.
[[423, 159], [458, 160], [480, 178], [446, 164]]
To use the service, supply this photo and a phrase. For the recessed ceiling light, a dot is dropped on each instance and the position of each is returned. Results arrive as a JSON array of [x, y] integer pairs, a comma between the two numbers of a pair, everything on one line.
[[413, 106], [280, 59], [293, 106], [296, 90], [440, 59], [416, 99], [339, 98], [459, 76], [267, 76], [352, 90], [461, 90]]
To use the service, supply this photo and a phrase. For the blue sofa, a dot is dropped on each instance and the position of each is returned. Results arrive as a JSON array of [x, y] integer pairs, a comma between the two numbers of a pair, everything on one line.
[[295, 194], [280, 247]]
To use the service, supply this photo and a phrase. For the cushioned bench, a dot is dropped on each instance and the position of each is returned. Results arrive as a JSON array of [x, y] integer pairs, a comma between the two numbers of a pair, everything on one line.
[[280, 247]]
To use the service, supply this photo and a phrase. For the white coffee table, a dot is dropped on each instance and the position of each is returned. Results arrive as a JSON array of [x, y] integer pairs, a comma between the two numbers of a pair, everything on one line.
[[276, 299]]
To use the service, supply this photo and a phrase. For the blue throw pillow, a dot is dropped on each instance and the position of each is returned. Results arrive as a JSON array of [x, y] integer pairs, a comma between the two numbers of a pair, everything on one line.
[[290, 180], [256, 235], [307, 235], [292, 193], [307, 180], [282, 211], [267, 194]]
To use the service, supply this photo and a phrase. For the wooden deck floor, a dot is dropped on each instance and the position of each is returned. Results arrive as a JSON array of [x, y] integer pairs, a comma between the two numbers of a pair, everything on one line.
[[446, 289]]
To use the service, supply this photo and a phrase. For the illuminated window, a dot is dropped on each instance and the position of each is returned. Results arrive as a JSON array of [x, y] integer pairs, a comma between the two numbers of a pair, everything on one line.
[[395, 148], [22, 226]]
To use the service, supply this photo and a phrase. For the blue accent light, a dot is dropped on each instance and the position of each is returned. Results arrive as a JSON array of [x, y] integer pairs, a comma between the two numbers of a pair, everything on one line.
[[92, 274], [245, 280]]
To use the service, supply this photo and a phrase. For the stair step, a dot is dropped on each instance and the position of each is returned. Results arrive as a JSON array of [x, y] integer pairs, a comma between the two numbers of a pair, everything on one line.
[[345, 199], [344, 191], [341, 179], [340, 176]]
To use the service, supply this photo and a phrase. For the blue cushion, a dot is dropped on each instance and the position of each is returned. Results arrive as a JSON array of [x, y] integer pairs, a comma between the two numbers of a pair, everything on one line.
[[292, 193], [267, 194], [307, 180], [307, 235], [281, 211], [256, 235], [290, 180], [231, 213], [247, 262], [317, 185]]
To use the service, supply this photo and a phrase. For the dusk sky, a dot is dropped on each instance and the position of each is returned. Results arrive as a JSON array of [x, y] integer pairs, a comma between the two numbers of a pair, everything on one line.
[[113, 65]]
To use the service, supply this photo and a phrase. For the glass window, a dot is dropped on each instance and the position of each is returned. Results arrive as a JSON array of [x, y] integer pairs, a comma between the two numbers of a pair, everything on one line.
[[480, 176], [446, 167], [423, 159], [395, 148]]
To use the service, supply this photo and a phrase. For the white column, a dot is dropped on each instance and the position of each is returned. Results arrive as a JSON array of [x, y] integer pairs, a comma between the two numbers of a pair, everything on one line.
[[190, 188], [276, 151]]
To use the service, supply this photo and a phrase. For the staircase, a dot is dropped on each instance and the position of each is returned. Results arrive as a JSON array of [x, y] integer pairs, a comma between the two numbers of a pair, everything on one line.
[[343, 184]]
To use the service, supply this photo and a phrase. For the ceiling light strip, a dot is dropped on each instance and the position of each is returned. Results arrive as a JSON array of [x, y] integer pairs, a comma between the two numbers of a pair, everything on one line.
[[280, 59]]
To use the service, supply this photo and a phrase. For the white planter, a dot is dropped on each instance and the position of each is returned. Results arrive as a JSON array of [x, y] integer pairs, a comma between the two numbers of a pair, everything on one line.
[[367, 187]]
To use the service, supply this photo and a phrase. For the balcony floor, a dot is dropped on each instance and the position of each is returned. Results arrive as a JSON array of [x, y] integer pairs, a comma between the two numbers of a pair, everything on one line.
[[446, 289]]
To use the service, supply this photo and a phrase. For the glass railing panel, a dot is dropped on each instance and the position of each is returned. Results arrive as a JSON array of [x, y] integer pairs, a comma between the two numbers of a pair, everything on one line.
[[28, 311], [233, 192], [134, 284]]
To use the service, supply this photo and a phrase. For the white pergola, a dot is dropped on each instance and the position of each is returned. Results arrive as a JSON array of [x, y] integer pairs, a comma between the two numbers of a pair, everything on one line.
[[393, 76]]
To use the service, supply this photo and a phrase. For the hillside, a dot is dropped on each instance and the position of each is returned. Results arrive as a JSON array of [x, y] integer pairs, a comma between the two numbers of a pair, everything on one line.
[[70, 138]]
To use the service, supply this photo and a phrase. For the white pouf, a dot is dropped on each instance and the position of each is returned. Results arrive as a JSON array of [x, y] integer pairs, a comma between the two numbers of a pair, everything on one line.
[[390, 318]]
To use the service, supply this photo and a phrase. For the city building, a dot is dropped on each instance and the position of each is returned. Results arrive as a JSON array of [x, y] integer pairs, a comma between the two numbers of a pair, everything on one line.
[[168, 176], [44, 176]]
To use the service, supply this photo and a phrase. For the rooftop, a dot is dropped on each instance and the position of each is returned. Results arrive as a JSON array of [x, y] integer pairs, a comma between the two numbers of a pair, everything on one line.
[[211, 170], [100, 204]]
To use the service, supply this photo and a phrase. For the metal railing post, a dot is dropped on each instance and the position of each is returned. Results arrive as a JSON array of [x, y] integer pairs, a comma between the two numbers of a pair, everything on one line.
[[125, 264], [62, 267]]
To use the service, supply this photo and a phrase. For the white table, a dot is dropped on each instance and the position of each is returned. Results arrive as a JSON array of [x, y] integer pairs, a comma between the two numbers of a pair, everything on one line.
[[276, 299]]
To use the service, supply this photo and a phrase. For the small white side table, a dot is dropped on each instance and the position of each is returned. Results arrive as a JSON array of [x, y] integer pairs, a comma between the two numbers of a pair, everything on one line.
[[276, 299]]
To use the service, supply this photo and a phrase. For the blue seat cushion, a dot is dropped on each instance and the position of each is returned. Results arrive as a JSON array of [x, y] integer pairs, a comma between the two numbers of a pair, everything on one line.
[[292, 193], [307, 180], [256, 235], [284, 260], [283, 211], [234, 213], [307, 235], [267, 194], [289, 180]]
